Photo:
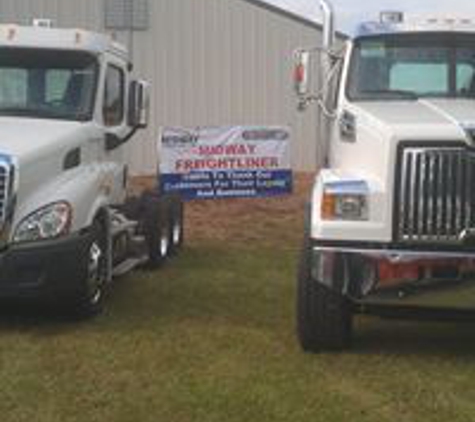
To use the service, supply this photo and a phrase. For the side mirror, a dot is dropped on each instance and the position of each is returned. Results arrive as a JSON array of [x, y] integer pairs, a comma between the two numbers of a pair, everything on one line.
[[139, 104], [301, 73]]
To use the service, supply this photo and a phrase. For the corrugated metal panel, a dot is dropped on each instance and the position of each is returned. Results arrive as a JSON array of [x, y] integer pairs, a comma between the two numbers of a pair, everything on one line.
[[126, 14], [211, 62], [86, 14]]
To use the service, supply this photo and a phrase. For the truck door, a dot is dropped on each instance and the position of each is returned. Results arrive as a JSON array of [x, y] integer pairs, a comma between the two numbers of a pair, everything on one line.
[[115, 123]]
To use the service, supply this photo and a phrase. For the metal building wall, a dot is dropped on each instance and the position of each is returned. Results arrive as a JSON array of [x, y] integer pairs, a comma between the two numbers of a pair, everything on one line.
[[210, 62]]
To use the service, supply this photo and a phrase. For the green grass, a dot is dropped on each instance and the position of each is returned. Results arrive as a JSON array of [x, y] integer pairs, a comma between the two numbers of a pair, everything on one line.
[[211, 338]]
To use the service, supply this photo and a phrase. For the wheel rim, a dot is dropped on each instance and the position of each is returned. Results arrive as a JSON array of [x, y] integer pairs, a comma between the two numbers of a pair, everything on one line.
[[176, 233], [369, 278], [164, 243], [95, 274]]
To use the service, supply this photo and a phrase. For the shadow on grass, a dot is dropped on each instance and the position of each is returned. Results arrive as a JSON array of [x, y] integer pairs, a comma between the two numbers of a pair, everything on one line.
[[40, 315], [209, 288], [39, 318], [394, 337]]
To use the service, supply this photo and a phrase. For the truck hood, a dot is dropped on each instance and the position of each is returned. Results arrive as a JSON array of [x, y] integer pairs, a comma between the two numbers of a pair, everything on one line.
[[425, 119], [39, 148], [26, 139]]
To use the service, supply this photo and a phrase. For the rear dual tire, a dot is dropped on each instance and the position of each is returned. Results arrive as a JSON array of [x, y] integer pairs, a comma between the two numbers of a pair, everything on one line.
[[163, 226], [176, 217]]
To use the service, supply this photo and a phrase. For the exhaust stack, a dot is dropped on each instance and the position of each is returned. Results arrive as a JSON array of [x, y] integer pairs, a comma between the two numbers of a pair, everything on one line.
[[325, 69], [328, 24]]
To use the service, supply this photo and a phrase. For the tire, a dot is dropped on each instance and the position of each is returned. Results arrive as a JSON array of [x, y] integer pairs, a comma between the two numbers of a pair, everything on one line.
[[89, 300], [324, 317], [177, 229], [156, 226]]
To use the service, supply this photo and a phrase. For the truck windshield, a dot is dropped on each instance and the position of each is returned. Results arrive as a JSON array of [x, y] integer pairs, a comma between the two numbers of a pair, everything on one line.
[[48, 84], [410, 66]]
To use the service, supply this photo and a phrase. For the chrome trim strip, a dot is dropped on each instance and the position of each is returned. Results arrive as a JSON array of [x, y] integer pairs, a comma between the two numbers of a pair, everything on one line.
[[5, 175], [8, 194], [396, 256]]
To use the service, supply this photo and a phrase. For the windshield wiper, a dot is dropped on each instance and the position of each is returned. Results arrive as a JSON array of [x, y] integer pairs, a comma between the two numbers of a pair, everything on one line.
[[397, 94], [35, 113], [16, 110]]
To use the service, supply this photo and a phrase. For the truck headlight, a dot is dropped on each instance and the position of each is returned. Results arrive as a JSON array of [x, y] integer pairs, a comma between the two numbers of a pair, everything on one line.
[[345, 200], [51, 221]]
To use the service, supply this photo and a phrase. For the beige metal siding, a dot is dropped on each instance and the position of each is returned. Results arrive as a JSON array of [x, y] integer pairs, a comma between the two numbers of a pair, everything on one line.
[[210, 62]]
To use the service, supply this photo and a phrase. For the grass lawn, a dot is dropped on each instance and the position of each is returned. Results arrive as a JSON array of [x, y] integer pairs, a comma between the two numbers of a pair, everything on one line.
[[210, 337]]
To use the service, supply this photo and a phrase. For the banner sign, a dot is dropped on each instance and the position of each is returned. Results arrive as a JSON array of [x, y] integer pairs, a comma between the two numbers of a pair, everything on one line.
[[226, 162]]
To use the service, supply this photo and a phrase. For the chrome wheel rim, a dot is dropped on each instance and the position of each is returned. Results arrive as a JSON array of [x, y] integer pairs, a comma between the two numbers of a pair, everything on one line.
[[176, 233], [369, 278], [164, 245], [95, 275]]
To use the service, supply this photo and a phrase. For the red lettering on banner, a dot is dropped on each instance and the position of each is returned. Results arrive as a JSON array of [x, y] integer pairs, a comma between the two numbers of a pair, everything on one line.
[[215, 150], [228, 163]]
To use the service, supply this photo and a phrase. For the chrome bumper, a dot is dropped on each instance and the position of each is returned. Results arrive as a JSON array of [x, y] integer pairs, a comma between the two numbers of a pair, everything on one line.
[[437, 280]]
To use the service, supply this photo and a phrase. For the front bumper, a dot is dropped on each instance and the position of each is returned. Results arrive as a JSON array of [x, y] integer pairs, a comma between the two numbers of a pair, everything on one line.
[[44, 270], [372, 276]]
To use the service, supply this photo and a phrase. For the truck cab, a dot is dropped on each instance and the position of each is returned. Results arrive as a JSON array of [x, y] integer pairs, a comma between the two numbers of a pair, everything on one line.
[[390, 227], [68, 107]]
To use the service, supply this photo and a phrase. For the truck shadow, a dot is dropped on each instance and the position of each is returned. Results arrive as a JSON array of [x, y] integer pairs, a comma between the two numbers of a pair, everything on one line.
[[32, 315], [391, 337]]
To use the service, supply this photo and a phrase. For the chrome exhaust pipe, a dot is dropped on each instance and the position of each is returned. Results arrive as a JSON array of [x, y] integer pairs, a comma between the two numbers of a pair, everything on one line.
[[328, 24], [325, 69]]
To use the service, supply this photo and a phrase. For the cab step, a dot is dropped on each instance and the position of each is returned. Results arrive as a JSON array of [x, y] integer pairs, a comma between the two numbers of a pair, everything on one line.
[[128, 265]]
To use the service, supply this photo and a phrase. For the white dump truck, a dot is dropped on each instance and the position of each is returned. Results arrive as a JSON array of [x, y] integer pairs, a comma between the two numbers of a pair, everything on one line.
[[390, 227], [68, 106]]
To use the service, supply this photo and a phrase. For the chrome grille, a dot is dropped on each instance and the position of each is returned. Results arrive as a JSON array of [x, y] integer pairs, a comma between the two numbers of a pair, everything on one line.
[[436, 198], [4, 190]]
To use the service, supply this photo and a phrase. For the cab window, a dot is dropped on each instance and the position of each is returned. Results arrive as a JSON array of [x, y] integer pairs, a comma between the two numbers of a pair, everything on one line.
[[113, 108], [47, 84], [410, 66]]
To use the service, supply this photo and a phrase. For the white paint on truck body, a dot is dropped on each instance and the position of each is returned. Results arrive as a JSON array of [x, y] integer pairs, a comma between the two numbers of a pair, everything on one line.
[[59, 39], [372, 155], [39, 145]]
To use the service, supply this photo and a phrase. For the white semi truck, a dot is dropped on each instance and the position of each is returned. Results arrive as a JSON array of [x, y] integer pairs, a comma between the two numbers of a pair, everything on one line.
[[390, 227], [68, 106]]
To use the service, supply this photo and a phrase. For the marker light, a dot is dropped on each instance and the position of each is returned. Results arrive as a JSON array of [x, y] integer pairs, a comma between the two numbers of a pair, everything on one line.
[[301, 79], [391, 17]]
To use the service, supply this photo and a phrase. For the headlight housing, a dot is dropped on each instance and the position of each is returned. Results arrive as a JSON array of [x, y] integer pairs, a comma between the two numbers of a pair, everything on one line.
[[345, 200], [51, 221]]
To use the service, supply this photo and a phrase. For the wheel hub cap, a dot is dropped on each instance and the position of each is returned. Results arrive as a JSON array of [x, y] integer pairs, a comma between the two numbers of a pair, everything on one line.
[[164, 245], [95, 278], [176, 233]]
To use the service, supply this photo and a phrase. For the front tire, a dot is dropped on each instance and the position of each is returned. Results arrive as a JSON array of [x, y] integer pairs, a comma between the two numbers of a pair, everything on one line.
[[324, 317], [89, 300]]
